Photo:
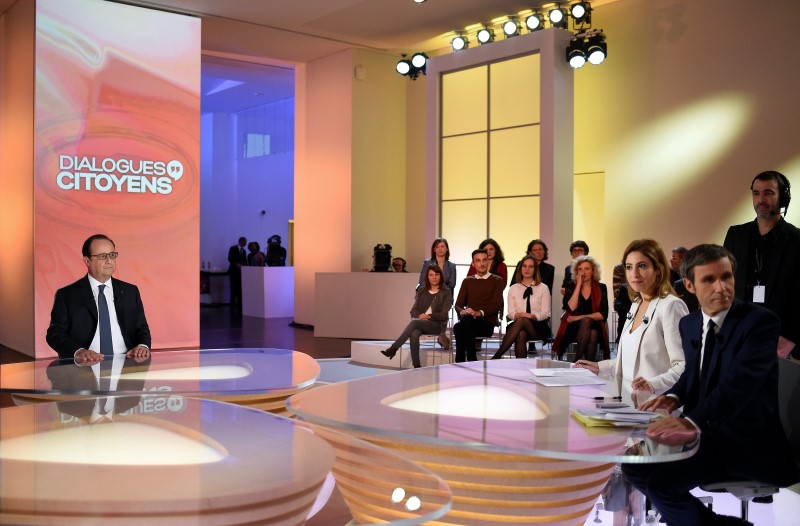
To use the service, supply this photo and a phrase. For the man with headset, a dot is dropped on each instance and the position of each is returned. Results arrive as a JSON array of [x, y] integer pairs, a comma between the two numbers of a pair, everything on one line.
[[768, 252]]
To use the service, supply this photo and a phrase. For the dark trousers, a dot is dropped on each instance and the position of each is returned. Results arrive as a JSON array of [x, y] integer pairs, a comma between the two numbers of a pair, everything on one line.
[[236, 288], [465, 331], [667, 485]]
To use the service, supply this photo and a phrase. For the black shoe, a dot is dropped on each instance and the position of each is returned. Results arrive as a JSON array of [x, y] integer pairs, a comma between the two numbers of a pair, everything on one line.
[[389, 353], [727, 520], [766, 499]]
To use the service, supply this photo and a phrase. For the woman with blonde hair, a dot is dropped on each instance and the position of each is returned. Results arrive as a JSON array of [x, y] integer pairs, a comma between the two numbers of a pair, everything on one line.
[[585, 311], [649, 354]]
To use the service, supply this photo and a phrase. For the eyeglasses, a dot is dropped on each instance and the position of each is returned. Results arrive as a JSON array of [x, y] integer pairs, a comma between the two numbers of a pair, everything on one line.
[[105, 256]]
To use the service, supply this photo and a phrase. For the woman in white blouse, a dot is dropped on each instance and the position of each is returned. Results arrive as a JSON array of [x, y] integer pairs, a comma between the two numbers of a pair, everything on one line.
[[528, 310], [649, 355]]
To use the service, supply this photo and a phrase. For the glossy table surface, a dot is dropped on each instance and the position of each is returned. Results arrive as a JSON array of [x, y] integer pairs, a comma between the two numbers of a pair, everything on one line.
[[169, 459], [491, 406], [189, 372]]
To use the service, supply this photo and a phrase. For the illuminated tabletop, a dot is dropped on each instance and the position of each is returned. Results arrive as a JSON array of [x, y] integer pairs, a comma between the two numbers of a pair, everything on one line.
[[507, 446], [177, 460], [254, 377]]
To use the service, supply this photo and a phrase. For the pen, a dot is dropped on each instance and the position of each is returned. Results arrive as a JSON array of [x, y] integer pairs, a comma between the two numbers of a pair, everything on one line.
[[601, 398]]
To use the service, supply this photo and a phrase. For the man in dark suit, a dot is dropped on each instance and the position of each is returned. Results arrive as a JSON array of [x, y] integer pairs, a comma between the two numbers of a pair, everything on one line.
[[729, 394], [577, 249], [236, 260], [76, 322], [768, 252]]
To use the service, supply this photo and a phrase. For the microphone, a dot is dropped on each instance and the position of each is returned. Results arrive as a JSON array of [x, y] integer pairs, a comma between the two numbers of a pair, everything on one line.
[[695, 344], [629, 316], [645, 320]]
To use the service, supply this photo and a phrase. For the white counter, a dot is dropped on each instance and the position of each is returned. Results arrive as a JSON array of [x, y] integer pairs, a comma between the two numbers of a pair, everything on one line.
[[363, 305], [268, 292]]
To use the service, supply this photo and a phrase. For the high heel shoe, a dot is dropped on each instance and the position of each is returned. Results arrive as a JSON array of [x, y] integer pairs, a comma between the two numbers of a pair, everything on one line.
[[389, 353]]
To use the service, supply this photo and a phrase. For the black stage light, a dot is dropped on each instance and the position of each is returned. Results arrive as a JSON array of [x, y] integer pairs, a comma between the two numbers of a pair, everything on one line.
[[576, 53], [558, 17], [510, 28], [419, 60], [534, 22], [581, 12], [459, 42], [597, 49], [485, 35]]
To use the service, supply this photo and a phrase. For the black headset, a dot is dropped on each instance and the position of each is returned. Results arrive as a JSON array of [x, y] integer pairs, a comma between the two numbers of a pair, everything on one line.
[[784, 187]]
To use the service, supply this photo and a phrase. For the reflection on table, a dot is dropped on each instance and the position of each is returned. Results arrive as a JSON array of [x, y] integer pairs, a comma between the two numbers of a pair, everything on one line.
[[183, 461], [507, 446], [254, 377], [177, 460]]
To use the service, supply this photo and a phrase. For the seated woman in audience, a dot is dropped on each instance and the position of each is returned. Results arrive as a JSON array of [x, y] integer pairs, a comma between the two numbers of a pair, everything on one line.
[[585, 311], [496, 259], [538, 250], [528, 310], [429, 314], [440, 256], [649, 355]]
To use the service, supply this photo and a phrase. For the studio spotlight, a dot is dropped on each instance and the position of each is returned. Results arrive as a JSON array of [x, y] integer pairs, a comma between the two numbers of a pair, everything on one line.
[[534, 22], [485, 35], [581, 12], [510, 28], [558, 17], [404, 67], [597, 49], [576, 53], [459, 42], [419, 60]]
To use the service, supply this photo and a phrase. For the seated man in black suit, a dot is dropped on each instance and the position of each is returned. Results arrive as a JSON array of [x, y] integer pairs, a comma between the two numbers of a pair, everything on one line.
[[729, 394], [97, 316], [478, 305]]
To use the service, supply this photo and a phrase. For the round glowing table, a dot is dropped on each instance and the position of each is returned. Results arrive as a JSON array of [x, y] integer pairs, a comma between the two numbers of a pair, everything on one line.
[[258, 378], [508, 447], [192, 461]]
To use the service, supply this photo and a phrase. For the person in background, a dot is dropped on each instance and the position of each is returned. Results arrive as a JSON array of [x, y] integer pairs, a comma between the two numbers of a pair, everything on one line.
[[496, 260], [255, 258], [528, 311], [675, 261], [768, 253], [576, 249], [236, 260], [429, 315], [399, 265], [729, 395], [649, 354], [585, 312], [538, 249], [440, 255], [480, 300]]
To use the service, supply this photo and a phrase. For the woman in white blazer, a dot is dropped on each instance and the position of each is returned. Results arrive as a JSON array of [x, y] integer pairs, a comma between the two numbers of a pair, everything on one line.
[[649, 354]]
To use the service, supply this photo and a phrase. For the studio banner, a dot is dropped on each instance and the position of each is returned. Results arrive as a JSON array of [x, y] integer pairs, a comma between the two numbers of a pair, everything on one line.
[[117, 124]]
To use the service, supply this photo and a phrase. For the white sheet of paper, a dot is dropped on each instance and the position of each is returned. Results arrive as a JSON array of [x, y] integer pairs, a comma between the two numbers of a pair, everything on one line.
[[565, 377]]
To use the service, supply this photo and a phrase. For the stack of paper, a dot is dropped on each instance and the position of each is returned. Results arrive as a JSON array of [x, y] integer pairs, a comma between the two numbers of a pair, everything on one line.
[[565, 377], [594, 417]]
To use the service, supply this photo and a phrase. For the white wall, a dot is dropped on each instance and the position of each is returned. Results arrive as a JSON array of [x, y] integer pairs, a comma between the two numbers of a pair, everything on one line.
[[235, 190]]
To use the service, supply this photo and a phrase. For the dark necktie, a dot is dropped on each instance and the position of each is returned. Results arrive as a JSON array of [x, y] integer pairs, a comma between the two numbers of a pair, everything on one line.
[[527, 296], [708, 350], [106, 344]]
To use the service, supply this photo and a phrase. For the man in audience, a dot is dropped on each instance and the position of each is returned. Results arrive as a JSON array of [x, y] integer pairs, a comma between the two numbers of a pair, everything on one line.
[[399, 265], [576, 248], [768, 252], [729, 395], [98, 316], [478, 305], [675, 263]]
